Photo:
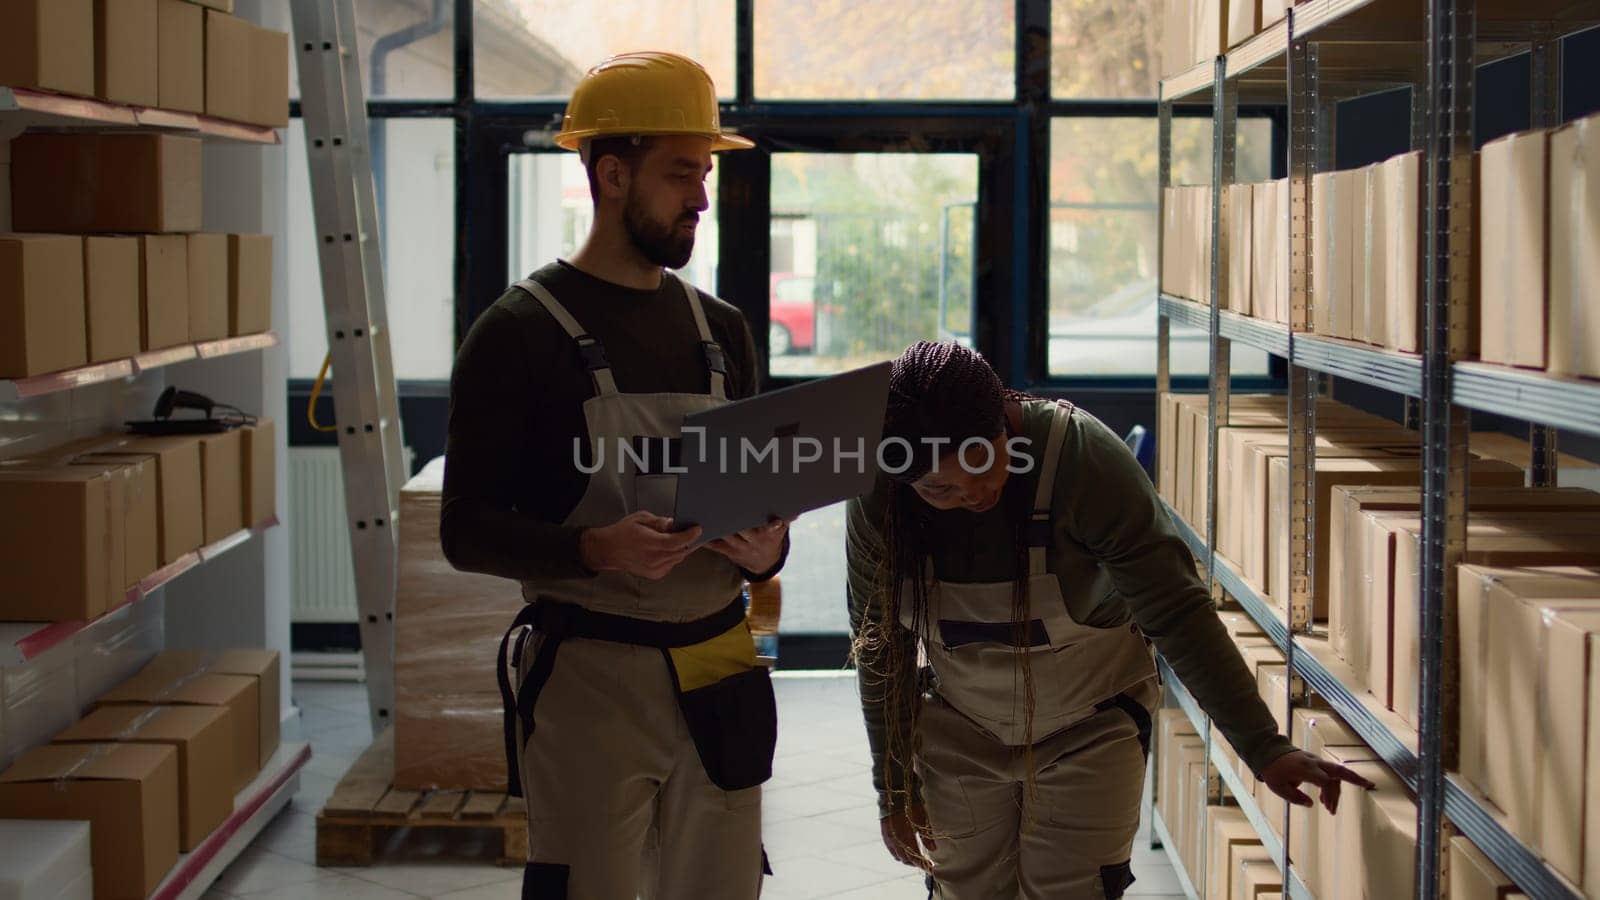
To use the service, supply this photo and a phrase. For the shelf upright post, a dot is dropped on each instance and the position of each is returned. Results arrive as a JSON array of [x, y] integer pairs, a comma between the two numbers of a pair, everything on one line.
[[1163, 323], [1305, 159], [344, 206], [1224, 121], [1545, 112], [1451, 37]]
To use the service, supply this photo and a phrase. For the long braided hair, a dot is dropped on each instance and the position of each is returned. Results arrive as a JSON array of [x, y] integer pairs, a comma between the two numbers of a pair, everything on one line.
[[943, 391]]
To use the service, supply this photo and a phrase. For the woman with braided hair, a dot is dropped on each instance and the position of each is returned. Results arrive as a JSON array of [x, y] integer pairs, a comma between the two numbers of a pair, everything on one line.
[[1017, 544]]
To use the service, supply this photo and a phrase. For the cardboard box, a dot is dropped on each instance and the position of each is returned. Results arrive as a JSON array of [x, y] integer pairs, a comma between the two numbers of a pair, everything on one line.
[[125, 51], [269, 78], [1341, 867], [1241, 860], [1473, 877], [1515, 186], [208, 286], [260, 471], [1388, 838], [1331, 472], [1571, 471], [228, 66], [1574, 275], [239, 694], [42, 320], [203, 739], [261, 665], [1352, 572], [1241, 243], [1258, 879], [1244, 20], [1228, 829], [61, 540], [249, 283], [111, 297], [1316, 730], [224, 5], [1566, 662], [1211, 30], [133, 183], [222, 491], [1581, 547], [181, 528], [1369, 322], [181, 44], [1177, 53], [1402, 185], [48, 44], [143, 551], [163, 291], [1338, 201], [127, 792], [1357, 184], [1274, 10], [1482, 591], [1537, 654]]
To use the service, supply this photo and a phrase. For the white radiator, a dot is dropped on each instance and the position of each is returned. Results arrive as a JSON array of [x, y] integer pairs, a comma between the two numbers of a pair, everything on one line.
[[319, 538]]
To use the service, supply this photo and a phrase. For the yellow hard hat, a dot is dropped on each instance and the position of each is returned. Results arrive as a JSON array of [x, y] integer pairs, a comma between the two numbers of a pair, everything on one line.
[[643, 94]]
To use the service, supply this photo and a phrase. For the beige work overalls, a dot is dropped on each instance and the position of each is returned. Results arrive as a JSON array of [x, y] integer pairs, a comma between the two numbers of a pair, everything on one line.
[[1094, 689], [642, 748]]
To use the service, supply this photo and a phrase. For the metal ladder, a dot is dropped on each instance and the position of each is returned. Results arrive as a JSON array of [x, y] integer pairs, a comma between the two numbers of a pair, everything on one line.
[[344, 205]]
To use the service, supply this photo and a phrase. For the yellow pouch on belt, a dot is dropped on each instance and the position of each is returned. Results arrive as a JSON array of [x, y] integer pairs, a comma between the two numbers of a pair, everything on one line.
[[706, 663]]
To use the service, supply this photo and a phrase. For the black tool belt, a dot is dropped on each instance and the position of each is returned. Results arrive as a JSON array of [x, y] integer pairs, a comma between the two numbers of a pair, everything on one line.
[[733, 722]]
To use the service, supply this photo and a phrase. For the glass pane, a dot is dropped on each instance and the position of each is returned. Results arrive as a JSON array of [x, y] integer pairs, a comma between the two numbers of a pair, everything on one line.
[[407, 49], [1191, 151], [1103, 264], [1105, 50], [418, 228], [550, 212], [870, 252], [539, 48], [885, 50]]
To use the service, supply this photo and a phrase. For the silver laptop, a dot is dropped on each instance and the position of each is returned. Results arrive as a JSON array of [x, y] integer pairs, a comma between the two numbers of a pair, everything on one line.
[[782, 453]]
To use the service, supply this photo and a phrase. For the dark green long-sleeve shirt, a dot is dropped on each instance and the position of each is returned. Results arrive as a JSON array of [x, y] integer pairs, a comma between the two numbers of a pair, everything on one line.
[[1118, 559], [516, 407]]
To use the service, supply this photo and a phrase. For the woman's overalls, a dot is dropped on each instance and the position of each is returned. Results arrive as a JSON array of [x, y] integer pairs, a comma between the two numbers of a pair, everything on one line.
[[1094, 689]]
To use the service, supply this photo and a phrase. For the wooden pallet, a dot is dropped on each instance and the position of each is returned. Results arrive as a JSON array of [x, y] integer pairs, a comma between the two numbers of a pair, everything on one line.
[[366, 809]]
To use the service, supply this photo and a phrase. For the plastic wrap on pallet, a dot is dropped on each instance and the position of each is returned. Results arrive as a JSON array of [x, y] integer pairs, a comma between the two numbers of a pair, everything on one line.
[[40, 700], [111, 649], [448, 626]]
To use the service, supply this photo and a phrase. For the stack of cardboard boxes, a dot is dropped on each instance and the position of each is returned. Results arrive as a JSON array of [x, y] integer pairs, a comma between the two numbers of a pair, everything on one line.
[[1365, 246], [1198, 30], [108, 261], [1257, 217], [155, 767], [1539, 194], [81, 525], [448, 625], [1530, 706], [175, 55], [121, 268], [1186, 242]]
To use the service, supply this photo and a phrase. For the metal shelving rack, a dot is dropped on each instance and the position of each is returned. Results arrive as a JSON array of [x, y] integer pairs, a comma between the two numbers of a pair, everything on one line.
[[1324, 52]]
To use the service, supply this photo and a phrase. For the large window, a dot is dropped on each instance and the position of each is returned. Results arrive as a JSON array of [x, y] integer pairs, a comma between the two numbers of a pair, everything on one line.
[[885, 49], [414, 174], [539, 48], [870, 252], [1103, 238], [406, 48]]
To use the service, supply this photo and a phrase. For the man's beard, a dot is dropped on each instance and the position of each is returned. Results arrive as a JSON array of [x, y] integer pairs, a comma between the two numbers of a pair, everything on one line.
[[664, 246]]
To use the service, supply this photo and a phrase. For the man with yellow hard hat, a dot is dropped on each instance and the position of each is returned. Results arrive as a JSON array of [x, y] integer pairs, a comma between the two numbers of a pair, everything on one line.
[[638, 726]]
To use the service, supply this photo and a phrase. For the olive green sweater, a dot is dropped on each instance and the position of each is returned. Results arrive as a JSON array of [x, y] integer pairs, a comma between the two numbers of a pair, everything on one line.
[[1118, 559]]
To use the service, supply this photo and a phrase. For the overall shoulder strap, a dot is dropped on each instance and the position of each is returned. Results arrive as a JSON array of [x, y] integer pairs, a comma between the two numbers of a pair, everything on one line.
[[590, 352], [716, 363], [1039, 523]]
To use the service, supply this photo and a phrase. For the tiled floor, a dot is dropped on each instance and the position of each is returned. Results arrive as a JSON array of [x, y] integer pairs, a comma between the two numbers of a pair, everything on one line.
[[820, 828]]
